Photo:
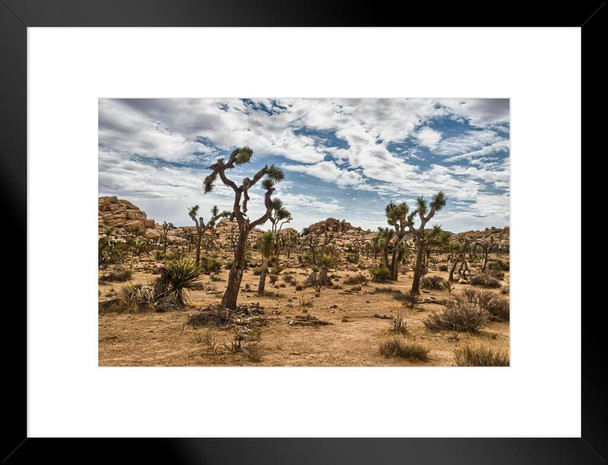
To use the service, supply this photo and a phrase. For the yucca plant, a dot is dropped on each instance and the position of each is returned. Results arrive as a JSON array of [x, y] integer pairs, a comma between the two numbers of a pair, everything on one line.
[[181, 275]]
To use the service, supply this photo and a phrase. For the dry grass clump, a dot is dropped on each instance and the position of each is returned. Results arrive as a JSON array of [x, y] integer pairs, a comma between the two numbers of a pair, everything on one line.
[[356, 279], [480, 357], [458, 315], [485, 280], [399, 324], [496, 306], [408, 299], [432, 282], [120, 275], [398, 348]]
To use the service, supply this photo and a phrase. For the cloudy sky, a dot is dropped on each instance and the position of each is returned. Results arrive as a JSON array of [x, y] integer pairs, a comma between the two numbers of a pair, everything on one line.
[[344, 158]]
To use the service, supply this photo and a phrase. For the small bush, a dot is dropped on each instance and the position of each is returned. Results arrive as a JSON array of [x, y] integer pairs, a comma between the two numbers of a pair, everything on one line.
[[458, 316], [273, 278], [210, 265], [136, 297], [299, 287], [397, 348], [432, 282], [443, 268], [387, 290], [485, 280], [356, 279], [480, 357], [496, 306], [289, 279], [380, 274], [500, 265], [215, 277], [399, 324], [229, 264], [408, 299], [305, 303], [497, 274], [117, 276]]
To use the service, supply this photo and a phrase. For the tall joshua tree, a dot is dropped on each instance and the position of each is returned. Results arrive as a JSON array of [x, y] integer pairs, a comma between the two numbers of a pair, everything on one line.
[[280, 216], [271, 175], [422, 237], [201, 227], [385, 235], [396, 216], [164, 237], [266, 246]]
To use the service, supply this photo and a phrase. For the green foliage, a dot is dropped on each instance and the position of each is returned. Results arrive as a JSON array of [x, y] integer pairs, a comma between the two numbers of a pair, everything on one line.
[[181, 276], [380, 274], [243, 155], [480, 357], [210, 265], [267, 183], [276, 174], [266, 243]]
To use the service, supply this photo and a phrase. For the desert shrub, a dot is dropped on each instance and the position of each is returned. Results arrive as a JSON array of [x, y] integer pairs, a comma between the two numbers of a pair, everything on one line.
[[399, 324], [229, 264], [443, 268], [210, 265], [500, 265], [496, 274], [408, 299], [356, 288], [273, 278], [215, 277], [305, 302], [458, 316], [380, 274], [175, 281], [480, 357], [432, 282], [257, 271], [136, 297], [504, 290], [177, 255], [496, 306], [352, 258], [289, 279], [208, 340], [159, 255], [299, 287], [119, 275], [485, 280], [398, 348], [387, 290], [356, 279]]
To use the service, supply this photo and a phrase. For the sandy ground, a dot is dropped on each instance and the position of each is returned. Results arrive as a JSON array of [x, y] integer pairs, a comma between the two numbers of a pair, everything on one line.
[[353, 338]]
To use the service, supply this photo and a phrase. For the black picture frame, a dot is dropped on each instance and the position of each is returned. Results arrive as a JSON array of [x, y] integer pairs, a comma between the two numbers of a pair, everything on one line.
[[17, 15]]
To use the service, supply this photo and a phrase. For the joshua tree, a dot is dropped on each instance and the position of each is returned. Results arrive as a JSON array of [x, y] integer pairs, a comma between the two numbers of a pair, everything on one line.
[[266, 246], [271, 176], [290, 240], [396, 216], [164, 235], [280, 216], [201, 227], [485, 246], [422, 237], [232, 238], [458, 256], [384, 237]]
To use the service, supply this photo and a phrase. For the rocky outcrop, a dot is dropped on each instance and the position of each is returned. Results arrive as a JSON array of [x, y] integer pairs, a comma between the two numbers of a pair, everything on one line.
[[124, 217], [499, 236], [333, 225]]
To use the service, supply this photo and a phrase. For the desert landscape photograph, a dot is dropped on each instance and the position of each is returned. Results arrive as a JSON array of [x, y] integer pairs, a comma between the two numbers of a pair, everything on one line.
[[304, 232]]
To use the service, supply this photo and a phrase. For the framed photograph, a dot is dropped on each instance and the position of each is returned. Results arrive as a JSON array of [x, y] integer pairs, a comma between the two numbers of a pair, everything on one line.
[[301, 235]]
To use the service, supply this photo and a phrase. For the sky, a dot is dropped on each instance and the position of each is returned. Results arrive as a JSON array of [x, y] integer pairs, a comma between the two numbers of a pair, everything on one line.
[[342, 158]]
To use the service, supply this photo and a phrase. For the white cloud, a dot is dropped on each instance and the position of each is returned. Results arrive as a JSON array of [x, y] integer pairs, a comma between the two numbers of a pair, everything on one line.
[[428, 137]]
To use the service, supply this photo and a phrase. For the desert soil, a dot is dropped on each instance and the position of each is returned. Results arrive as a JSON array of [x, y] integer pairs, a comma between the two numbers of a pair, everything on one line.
[[352, 339]]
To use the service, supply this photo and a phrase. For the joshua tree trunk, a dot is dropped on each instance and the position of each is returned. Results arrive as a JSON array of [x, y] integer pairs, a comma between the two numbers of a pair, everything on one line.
[[236, 274], [395, 264], [385, 257], [263, 272], [452, 270], [485, 261], [199, 239], [418, 269]]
